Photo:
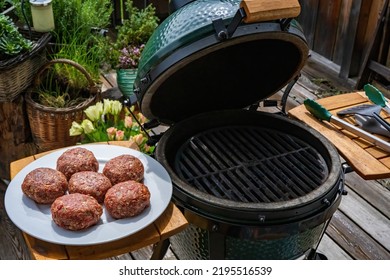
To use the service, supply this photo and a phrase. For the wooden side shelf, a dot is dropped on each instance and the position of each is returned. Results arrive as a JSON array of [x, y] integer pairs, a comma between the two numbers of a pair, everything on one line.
[[368, 161]]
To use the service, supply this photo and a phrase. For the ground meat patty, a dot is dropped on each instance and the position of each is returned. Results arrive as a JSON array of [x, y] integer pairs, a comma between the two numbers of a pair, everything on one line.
[[44, 185], [124, 168], [76, 211], [89, 182], [76, 160], [127, 199]]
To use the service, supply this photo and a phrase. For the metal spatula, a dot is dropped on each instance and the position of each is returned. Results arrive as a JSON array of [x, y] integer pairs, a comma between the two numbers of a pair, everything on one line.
[[368, 118], [363, 109]]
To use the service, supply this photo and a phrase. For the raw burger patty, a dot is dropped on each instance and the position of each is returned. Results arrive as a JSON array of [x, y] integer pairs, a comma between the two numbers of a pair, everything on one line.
[[76, 211], [127, 199], [44, 185], [124, 168], [89, 182], [75, 160]]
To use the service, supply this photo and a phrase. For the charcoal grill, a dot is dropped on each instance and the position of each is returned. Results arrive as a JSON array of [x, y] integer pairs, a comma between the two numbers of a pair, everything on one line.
[[252, 185], [262, 181]]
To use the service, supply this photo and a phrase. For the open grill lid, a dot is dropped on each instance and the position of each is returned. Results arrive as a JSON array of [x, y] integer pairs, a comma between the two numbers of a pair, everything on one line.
[[188, 67]]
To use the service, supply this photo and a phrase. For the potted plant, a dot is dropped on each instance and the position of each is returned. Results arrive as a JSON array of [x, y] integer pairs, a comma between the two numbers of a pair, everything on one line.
[[127, 67], [79, 32], [70, 81], [54, 101], [20, 58], [6, 6], [12, 42], [126, 48]]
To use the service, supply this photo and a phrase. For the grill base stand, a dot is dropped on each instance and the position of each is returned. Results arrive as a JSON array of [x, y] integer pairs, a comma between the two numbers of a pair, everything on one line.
[[206, 239]]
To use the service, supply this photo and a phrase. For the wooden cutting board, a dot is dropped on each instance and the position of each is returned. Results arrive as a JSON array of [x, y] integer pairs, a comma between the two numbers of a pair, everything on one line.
[[367, 160]]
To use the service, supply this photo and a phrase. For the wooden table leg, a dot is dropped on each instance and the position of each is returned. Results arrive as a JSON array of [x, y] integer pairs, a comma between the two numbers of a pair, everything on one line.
[[160, 249]]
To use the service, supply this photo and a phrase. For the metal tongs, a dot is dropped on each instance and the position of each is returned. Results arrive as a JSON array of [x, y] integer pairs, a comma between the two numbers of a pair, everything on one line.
[[323, 114], [376, 97]]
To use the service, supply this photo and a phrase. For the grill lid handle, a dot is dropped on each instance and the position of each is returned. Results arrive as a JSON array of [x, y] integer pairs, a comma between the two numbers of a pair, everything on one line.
[[266, 10]]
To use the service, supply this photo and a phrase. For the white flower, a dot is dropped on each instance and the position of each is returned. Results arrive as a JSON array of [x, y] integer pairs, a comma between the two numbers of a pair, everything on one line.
[[107, 106], [76, 129], [116, 107], [94, 112], [87, 126]]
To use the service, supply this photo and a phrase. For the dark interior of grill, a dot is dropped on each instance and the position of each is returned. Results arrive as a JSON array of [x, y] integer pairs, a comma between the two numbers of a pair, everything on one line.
[[250, 164], [232, 77]]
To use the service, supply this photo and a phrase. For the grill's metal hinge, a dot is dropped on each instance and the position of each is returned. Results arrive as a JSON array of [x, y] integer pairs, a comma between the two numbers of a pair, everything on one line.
[[285, 23], [224, 32]]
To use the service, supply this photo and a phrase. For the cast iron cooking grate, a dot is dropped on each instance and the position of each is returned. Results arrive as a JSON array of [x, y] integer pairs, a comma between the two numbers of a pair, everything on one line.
[[250, 164]]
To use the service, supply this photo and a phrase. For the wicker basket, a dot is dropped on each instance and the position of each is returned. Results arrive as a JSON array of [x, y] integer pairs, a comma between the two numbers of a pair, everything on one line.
[[16, 74], [50, 126]]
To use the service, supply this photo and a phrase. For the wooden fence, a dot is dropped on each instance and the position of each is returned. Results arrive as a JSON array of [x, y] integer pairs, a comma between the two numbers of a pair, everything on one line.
[[351, 34]]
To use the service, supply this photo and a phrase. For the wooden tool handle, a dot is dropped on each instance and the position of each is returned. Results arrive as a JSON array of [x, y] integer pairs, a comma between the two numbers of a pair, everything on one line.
[[266, 10]]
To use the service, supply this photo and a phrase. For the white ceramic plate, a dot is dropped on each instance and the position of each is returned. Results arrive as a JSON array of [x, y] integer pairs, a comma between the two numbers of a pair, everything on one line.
[[35, 219]]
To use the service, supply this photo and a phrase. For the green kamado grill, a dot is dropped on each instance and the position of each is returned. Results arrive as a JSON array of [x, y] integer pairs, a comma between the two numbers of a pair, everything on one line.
[[252, 185]]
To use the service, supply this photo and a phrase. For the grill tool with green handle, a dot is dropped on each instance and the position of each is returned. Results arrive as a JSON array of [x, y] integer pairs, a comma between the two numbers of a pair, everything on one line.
[[321, 113], [376, 97]]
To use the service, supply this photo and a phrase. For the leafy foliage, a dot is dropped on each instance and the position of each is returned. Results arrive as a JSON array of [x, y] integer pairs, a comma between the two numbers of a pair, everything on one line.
[[137, 29], [74, 34], [134, 32], [3, 4], [75, 38], [12, 41]]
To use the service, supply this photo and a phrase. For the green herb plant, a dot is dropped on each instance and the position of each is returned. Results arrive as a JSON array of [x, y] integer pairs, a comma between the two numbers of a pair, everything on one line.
[[76, 37], [3, 4], [56, 91], [134, 31], [12, 42]]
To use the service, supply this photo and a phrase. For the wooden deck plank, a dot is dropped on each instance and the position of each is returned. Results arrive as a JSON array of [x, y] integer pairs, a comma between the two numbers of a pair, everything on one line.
[[367, 217], [12, 245], [332, 250], [146, 252], [111, 79], [354, 240], [108, 81], [373, 192]]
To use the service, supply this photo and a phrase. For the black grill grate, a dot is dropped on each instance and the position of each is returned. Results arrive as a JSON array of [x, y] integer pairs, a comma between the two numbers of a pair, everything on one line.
[[250, 164]]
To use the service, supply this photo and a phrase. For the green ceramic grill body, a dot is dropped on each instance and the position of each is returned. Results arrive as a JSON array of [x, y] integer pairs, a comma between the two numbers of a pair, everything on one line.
[[186, 25], [249, 243], [186, 69]]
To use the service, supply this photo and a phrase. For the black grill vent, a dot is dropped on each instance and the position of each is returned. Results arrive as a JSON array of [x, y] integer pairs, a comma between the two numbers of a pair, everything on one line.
[[250, 164]]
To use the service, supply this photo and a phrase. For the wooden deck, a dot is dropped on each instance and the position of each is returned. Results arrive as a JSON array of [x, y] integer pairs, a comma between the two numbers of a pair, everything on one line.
[[359, 229]]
